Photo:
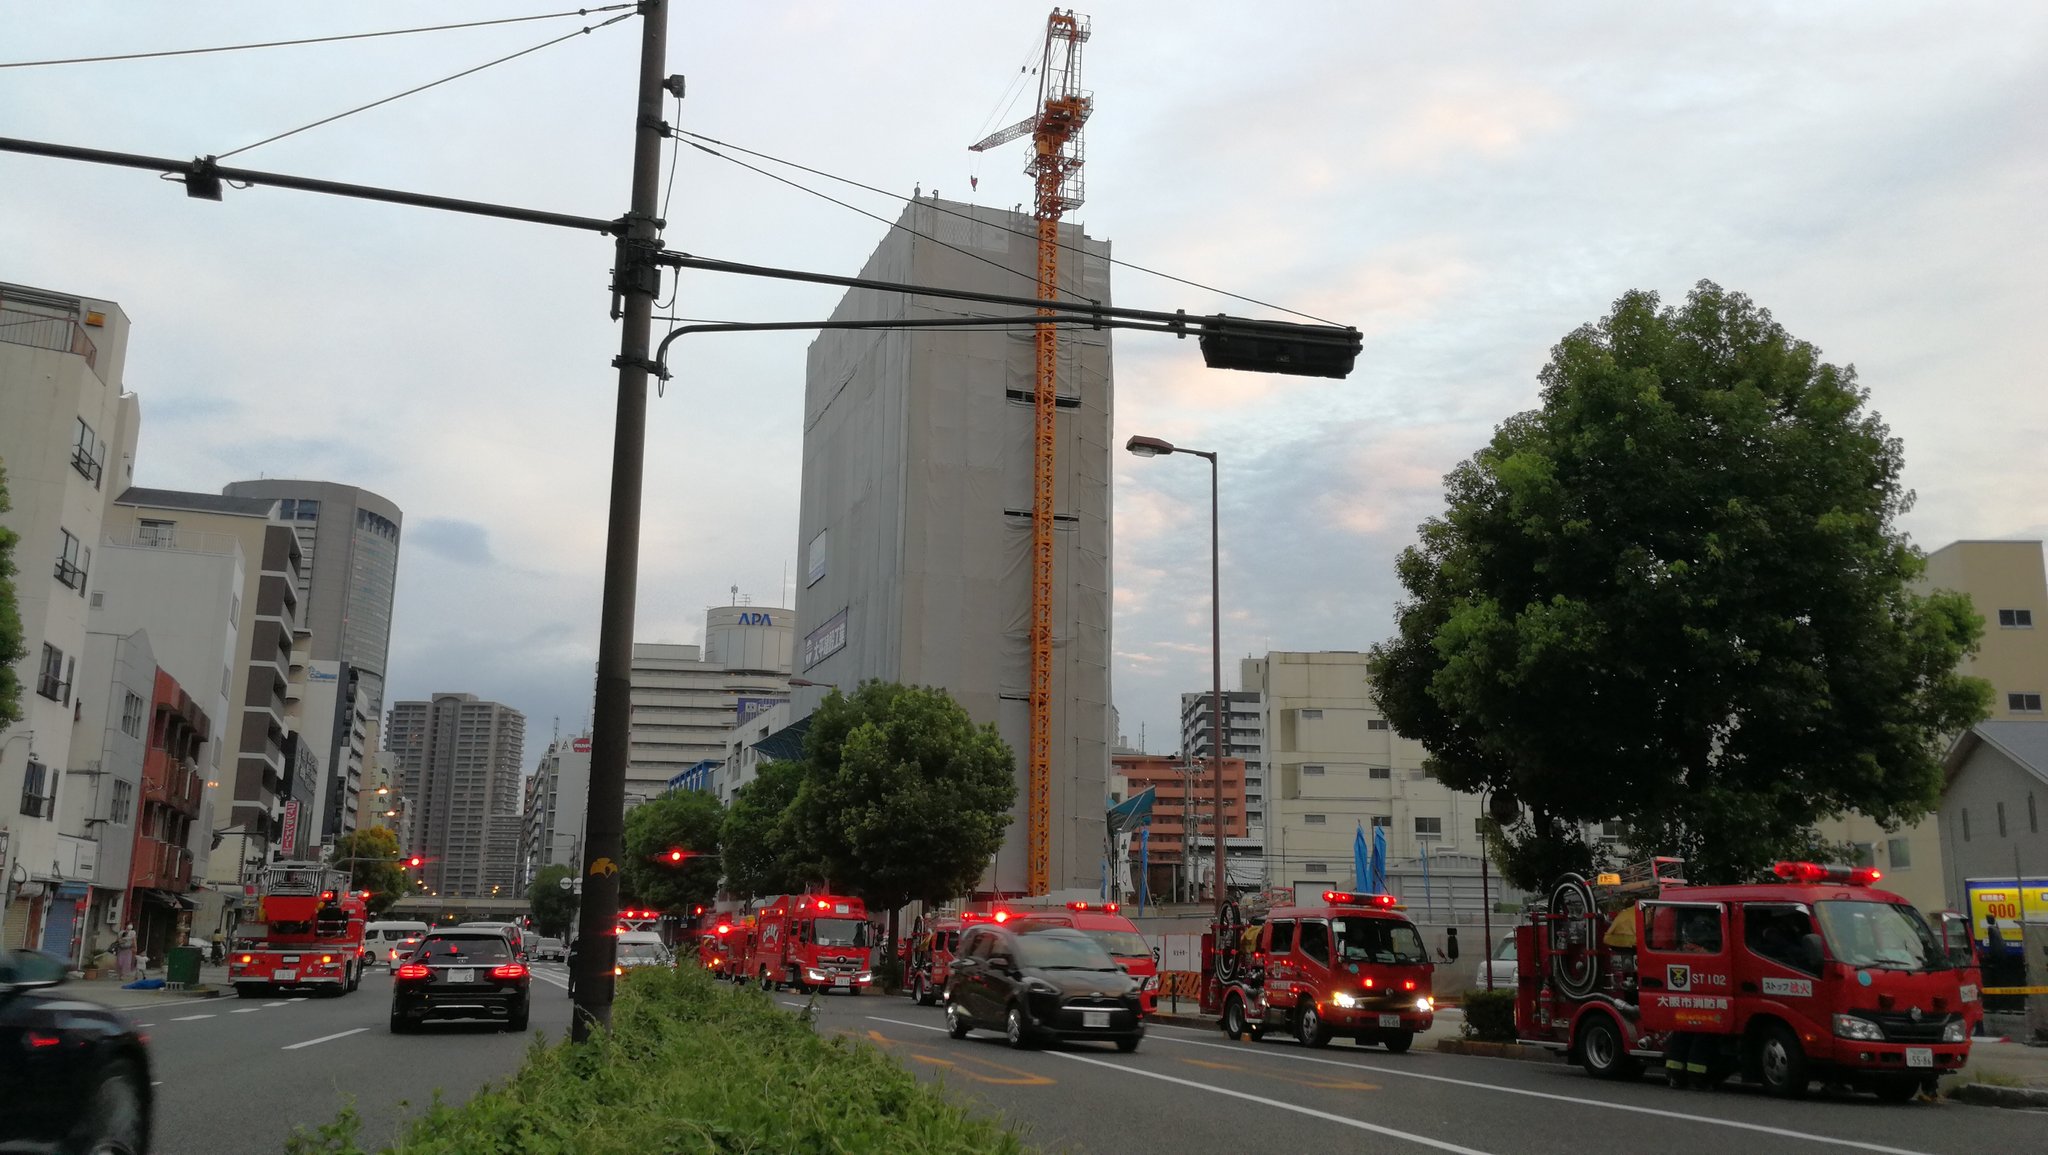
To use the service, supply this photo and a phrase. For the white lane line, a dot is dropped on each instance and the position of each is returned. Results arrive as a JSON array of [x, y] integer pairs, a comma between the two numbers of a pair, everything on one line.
[[1238, 1048], [299, 999], [245, 1010], [562, 983], [322, 1039], [189, 1018], [144, 1026], [1282, 1104], [279, 1003], [798, 1006]]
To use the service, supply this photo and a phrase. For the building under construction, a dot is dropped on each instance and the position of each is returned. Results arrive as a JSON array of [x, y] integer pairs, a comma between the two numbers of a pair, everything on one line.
[[915, 530]]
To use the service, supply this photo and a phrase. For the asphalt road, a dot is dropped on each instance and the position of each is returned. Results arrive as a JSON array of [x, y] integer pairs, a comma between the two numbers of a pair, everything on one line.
[[238, 1074], [1190, 1092]]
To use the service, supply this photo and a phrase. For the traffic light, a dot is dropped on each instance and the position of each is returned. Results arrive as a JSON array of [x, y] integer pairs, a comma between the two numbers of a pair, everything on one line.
[[414, 862], [675, 857]]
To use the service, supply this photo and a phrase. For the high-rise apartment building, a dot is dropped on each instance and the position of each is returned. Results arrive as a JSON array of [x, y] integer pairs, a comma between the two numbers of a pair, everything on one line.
[[349, 539], [915, 523], [1245, 742], [67, 446], [560, 790], [458, 765], [687, 698]]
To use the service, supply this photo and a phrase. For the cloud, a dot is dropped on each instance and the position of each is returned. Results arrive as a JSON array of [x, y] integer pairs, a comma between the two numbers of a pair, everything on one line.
[[462, 542]]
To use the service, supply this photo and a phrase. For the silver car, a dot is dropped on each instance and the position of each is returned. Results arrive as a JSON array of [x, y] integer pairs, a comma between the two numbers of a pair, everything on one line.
[[1501, 965]]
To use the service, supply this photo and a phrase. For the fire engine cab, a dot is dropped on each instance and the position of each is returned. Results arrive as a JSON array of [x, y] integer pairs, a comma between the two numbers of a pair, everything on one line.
[[1353, 965], [1115, 933], [1814, 976], [811, 942]]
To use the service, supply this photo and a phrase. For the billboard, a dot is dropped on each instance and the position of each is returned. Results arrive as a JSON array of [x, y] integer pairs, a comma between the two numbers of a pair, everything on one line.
[[2002, 902], [825, 641], [751, 708], [288, 840]]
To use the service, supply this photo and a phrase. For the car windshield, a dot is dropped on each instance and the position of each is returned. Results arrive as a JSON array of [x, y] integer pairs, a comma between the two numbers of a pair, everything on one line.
[[1121, 943], [1506, 950], [639, 953], [840, 931], [483, 948], [1378, 940], [1065, 951], [1880, 934]]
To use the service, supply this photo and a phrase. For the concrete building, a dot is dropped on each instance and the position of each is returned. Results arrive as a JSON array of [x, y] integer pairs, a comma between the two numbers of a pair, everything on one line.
[[67, 445], [561, 789], [768, 736], [1245, 742], [349, 538], [1172, 874], [686, 698], [1994, 816], [1336, 767], [458, 763], [268, 778], [163, 906], [914, 526], [97, 810]]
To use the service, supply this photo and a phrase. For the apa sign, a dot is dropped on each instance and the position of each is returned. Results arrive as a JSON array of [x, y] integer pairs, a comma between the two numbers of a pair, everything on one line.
[[754, 618]]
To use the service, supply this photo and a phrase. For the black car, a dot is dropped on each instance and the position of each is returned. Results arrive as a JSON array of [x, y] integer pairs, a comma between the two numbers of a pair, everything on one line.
[[74, 1076], [461, 973], [1041, 984]]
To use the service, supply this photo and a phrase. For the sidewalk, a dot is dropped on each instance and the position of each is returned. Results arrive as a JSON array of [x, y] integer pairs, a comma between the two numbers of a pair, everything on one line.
[[108, 991]]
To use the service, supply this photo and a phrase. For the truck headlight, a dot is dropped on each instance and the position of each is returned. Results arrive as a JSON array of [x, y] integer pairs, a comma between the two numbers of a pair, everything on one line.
[[1853, 1027], [1955, 1032], [1344, 1000], [1425, 1004], [864, 977], [815, 976]]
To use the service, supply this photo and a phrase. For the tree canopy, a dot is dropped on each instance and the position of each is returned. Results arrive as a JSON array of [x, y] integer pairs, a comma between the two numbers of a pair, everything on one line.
[[12, 648], [685, 820], [761, 851], [370, 855], [1674, 597], [552, 905]]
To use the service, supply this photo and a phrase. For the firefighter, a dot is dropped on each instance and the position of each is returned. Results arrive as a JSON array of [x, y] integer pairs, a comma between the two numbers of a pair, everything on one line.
[[1685, 1053]]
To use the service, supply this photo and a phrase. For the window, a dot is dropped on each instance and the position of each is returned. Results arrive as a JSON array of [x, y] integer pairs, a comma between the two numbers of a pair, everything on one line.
[[1283, 936], [1682, 929], [72, 558], [2001, 820], [1778, 933], [35, 780], [1315, 819], [1315, 941], [156, 534], [2023, 703], [1898, 853], [1379, 772], [2016, 619], [124, 795], [1610, 832], [1863, 854], [1375, 723], [1317, 868], [50, 679], [88, 453], [1307, 715], [1312, 771], [1381, 820], [1429, 828], [131, 714]]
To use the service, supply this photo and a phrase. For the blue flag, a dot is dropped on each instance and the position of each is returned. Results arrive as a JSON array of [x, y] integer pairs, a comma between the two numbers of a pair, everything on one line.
[[1379, 860], [1361, 862]]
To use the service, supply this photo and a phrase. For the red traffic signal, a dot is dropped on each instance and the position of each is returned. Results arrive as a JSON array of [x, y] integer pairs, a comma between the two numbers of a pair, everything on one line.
[[675, 856], [414, 861]]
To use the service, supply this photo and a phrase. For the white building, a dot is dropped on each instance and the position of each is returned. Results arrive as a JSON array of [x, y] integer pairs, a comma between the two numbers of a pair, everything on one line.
[[67, 445], [102, 796], [686, 698], [561, 790], [1247, 740]]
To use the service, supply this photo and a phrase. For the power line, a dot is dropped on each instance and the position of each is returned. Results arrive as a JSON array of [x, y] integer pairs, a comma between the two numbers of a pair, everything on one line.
[[967, 216], [308, 40], [585, 30]]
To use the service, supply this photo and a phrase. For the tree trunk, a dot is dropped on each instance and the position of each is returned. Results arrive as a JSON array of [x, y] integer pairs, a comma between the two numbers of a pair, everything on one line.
[[890, 949]]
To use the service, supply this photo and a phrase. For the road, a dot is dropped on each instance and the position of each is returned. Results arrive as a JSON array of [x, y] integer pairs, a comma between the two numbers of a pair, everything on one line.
[[1193, 1092], [237, 1074]]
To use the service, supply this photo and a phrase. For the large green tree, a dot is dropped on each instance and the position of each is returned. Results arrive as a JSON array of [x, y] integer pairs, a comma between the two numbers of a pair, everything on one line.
[[553, 905], [12, 648], [370, 856], [905, 798], [1675, 596], [682, 820], [759, 846]]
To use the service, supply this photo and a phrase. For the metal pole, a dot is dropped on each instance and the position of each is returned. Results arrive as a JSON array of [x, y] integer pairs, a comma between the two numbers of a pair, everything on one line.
[[1218, 727], [1485, 914], [605, 808]]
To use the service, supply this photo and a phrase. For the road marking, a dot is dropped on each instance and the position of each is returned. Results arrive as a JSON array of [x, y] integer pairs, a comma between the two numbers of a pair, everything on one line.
[[1553, 1097], [1011, 1076], [323, 1039], [544, 976], [299, 999], [144, 1026], [280, 1003], [1318, 1084], [245, 1010], [189, 1018]]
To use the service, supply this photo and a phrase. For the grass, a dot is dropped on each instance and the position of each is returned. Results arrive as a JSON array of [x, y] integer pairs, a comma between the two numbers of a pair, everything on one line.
[[691, 1066]]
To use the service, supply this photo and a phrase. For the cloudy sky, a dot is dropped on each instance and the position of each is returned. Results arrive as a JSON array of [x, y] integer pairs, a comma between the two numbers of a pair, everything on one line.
[[1463, 182]]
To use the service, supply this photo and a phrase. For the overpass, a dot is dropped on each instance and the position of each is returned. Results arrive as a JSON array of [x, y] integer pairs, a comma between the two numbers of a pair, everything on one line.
[[447, 911]]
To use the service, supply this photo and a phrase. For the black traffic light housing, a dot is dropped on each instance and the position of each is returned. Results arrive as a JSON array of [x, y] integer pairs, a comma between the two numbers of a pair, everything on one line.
[[1279, 347]]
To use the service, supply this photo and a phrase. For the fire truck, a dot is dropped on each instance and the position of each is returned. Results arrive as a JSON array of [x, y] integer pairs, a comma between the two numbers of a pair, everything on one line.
[[1117, 935], [1816, 975], [810, 942], [933, 941], [311, 936], [715, 946], [1353, 965]]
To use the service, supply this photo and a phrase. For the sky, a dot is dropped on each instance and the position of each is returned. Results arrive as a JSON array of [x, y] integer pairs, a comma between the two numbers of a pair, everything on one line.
[[1465, 183]]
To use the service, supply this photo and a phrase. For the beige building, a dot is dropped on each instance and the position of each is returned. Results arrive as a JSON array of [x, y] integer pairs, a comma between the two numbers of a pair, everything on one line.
[[688, 699]]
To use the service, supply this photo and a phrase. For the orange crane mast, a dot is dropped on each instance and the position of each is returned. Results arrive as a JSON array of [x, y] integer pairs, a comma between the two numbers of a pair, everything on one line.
[[1055, 167]]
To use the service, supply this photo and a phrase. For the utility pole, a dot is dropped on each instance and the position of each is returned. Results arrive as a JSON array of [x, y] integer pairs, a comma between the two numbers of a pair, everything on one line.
[[636, 280]]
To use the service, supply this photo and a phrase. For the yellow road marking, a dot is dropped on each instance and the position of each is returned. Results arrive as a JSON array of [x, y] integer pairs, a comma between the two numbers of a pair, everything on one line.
[[966, 1064]]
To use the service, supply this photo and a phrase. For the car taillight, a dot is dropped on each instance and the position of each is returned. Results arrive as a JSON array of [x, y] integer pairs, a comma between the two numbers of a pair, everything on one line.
[[413, 971], [39, 1040], [509, 971]]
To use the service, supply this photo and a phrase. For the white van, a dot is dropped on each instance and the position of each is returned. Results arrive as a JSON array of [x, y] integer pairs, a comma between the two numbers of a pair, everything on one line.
[[382, 939]]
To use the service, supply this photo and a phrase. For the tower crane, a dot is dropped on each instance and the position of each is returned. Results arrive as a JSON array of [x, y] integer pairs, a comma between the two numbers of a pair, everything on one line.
[[1055, 168]]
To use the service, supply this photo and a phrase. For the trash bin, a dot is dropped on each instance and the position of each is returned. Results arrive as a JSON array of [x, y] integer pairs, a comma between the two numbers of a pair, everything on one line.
[[182, 968]]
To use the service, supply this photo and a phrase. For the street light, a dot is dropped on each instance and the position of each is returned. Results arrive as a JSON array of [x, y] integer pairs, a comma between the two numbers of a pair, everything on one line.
[[1218, 728]]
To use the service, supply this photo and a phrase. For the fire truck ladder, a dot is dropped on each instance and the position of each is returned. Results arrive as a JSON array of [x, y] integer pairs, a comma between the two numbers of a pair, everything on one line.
[[1055, 167]]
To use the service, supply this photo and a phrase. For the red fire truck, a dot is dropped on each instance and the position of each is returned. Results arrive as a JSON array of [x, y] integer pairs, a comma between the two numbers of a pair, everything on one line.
[[715, 944], [1815, 976], [1353, 965], [810, 942], [1117, 935], [933, 942], [311, 936]]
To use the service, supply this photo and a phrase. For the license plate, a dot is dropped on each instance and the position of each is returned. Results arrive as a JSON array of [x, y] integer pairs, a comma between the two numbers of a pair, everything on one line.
[[284, 975], [841, 981], [464, 975], [1919, 1056], [1095, 1018], [1390, 1020]]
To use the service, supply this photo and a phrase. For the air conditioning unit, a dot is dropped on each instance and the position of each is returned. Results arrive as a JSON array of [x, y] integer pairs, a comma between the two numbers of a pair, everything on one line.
[[113, 909]]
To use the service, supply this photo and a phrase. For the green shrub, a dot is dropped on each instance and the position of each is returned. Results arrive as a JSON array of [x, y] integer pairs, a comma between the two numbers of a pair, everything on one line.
[[1489, 1016], [691, 1065], [889, 975]]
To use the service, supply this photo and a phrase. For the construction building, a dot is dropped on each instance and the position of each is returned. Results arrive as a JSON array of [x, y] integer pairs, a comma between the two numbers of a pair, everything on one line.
[[915, 526]]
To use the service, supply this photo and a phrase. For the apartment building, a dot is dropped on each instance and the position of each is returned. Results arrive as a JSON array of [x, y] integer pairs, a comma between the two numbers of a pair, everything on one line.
[[161, 900], [457, 760], [67, 445], [686, 698], [561, 788], [1245, 742], [97, 808], [1183, 810]]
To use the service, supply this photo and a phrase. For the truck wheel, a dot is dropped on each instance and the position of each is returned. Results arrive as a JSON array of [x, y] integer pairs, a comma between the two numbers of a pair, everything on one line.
[[1601, 1051], [1233, 1018], [1780, 1063], [355, 978], [245, 990], [767, 984], [1398, 1042], [1309, 1028]]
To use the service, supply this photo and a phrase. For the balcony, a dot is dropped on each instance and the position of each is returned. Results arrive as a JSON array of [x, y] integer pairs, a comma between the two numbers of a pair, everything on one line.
[[40, 330], [172, 538], [161, 866]]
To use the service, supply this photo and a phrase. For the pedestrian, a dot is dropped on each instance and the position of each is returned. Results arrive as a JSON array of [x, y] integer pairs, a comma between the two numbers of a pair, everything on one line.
[[124, 952], [220, 947]]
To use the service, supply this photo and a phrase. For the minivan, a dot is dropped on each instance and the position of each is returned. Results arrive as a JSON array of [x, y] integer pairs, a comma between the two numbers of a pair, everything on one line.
[[382, 939]]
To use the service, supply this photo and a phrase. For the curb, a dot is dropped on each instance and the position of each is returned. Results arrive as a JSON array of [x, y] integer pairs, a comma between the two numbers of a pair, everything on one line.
[[1988, 1095], [1519, 1051]]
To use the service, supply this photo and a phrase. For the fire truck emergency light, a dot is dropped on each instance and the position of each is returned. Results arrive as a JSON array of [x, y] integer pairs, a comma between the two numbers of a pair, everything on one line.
[[1345, 898], [1815, 872], [1108, 907]]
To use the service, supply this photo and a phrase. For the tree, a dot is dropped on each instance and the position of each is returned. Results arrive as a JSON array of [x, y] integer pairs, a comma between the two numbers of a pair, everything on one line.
[[686, 821], [370, 856], [1674, 597], [12, 648], [905, 797], [553, 905], [758, 845]]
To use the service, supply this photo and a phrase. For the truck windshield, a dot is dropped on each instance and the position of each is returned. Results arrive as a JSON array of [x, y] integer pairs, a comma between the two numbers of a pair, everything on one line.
[[840, 932], [1121, 943], [1378, 940], [1879, 934]]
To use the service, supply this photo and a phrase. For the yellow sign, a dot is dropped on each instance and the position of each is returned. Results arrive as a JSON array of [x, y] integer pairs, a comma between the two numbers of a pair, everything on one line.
[[2016, 990], [604, 866], [2003, 902]]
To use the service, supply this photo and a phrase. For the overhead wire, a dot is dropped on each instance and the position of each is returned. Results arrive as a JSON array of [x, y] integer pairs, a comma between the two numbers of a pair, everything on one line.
[[967, 216], [583, 31], [310, 39]]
